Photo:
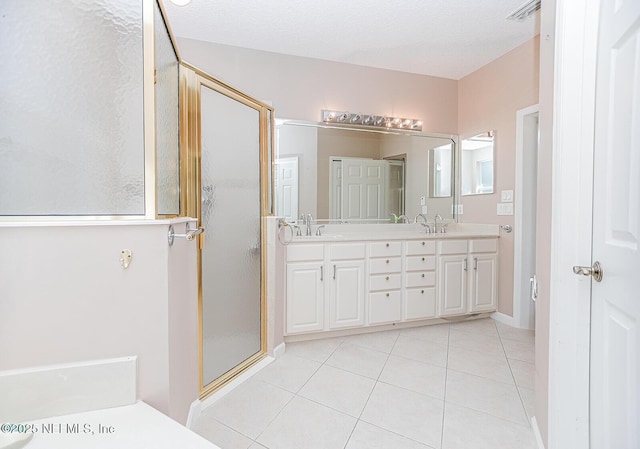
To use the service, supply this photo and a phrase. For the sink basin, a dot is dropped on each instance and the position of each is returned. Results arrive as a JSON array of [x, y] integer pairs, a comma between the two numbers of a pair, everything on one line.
[[14, 440]]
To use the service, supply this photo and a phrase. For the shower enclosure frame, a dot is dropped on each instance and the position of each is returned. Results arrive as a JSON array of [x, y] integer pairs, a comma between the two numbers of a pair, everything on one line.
[[191, 80]]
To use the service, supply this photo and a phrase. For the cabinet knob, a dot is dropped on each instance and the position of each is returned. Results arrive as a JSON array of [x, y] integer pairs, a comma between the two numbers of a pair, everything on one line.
[[422, 274], [387, 278], [387, 295], [423, 259], [423, 243], [387, 245], [387, 260], [422, 291]]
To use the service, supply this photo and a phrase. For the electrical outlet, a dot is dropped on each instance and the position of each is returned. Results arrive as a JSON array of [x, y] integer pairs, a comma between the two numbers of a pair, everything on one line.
[[506, 196], [423, 201], [504, 209]]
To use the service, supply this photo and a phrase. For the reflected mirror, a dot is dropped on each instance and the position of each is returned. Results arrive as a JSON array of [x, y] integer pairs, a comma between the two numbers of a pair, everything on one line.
[[477, 164], [361, 175]]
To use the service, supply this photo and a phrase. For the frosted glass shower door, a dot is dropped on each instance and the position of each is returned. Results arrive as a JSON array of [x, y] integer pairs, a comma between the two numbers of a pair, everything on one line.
[[230, 213]]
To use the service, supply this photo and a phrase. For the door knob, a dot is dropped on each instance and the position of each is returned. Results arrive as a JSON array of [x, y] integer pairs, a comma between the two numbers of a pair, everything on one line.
[[595, 271]]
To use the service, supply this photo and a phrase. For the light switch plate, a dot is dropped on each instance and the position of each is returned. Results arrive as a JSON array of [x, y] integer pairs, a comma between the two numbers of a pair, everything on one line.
[[460, 210], [506, 196], [504, 209], [423, 201]]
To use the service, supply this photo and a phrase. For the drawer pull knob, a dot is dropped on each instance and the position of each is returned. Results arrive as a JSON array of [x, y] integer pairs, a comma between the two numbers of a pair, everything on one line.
[[423, 259], [387, 260], [387, 295], [422, 274], [422, 291], [387, 245], [387, 278], [423, 243]]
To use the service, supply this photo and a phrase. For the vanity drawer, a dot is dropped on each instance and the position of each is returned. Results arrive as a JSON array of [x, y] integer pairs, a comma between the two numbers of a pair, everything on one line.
[[385, 307], [385, 282], [425, 279], [420, 247], [390, 265], [453, 246], [421, 303], [384, 249], [347, 251], [421, 263], [300, 253], [483, 246]]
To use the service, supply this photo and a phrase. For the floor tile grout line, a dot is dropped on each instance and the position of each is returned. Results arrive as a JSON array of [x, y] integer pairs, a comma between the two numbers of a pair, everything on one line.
[[444, 398], [524, 408], [359, 418], [294, 395], [396, 433]]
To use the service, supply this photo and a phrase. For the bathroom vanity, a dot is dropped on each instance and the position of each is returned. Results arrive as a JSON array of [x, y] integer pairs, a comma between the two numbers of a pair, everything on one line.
[[357, 276]]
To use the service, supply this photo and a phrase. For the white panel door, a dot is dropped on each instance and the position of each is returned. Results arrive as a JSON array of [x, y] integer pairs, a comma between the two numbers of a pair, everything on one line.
[[286, 187], [363, 187], [615, 302]]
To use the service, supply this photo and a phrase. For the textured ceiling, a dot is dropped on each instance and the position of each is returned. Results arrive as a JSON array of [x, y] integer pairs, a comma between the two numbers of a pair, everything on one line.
[[446, 38]]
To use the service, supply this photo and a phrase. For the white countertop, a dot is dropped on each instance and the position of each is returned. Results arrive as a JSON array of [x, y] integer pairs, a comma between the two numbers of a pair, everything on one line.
[[368, 232], [136, 426]]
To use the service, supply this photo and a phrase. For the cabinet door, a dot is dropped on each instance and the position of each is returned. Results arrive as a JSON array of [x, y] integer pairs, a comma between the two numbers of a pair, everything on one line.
[[347, 294], [452, 288], [305, 297], [483, 282]]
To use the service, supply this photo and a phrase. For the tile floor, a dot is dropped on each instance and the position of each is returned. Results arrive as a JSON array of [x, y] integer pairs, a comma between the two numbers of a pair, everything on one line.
[[449, 386]]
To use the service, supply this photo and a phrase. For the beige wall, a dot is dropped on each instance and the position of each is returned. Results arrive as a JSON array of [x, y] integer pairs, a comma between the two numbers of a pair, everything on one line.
[[65, 298], [299, 88], [488, 100]]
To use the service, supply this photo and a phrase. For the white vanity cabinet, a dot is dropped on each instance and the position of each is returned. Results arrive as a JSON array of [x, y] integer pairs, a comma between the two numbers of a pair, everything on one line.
[[385, 282], [420, 279], [325, 287], [467, 276], [333, 285]]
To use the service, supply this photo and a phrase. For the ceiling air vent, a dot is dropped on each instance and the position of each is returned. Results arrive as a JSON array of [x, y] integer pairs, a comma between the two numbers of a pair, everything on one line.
[[525, 11]]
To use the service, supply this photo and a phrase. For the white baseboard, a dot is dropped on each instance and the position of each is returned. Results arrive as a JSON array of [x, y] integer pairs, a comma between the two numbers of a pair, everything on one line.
[[195, 410], [279, 350], [536, 433], [198, 406], [504, 319]]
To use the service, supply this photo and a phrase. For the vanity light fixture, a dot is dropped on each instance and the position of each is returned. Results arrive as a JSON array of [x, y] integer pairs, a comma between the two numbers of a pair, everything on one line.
[[370, 120]]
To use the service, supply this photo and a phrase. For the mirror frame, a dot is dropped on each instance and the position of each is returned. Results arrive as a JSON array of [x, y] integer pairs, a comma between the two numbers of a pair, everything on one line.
[[455, 139]]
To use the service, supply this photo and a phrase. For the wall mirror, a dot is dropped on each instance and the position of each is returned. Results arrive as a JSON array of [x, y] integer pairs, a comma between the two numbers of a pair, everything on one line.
[[361, 175], [476, 164]]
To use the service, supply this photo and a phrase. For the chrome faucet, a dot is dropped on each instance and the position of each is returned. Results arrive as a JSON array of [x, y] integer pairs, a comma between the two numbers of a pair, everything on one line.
[[308, 223], [435, 222], [318, 230], [423, 216], [397, 218]]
